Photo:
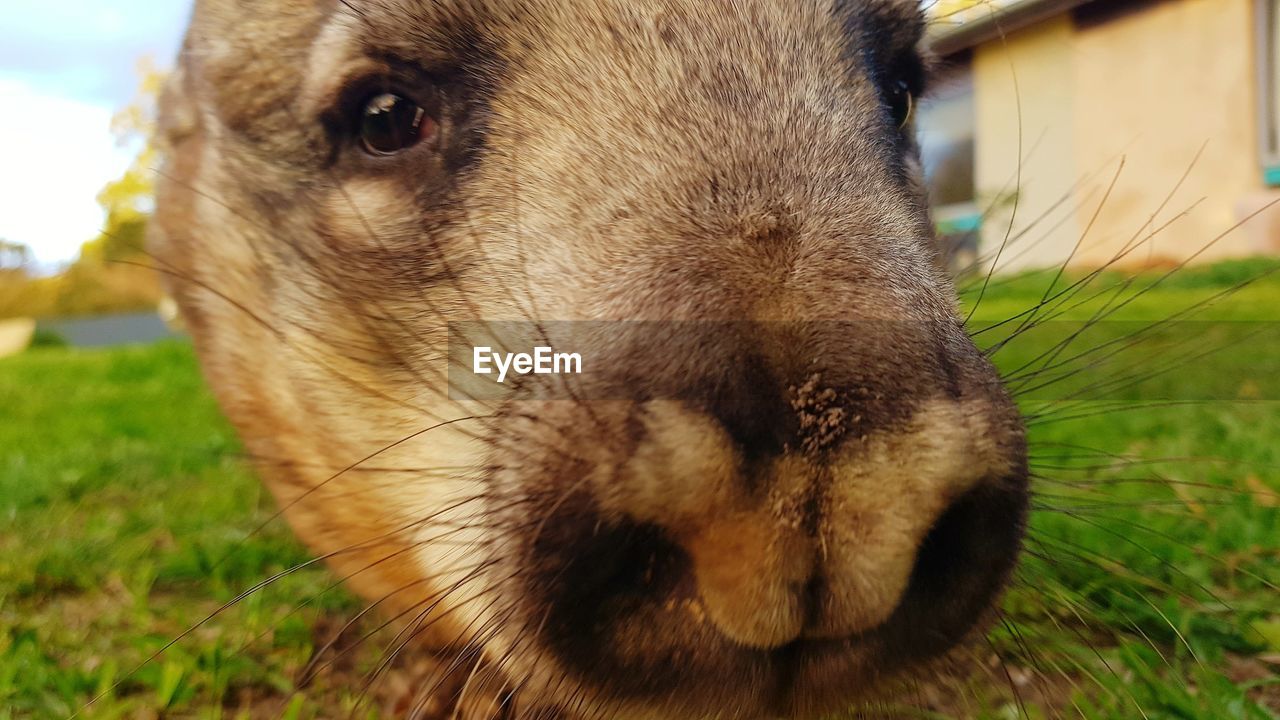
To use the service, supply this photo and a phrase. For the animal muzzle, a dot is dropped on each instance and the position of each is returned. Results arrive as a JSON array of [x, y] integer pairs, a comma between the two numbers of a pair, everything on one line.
[[811, 489], [805, 544]]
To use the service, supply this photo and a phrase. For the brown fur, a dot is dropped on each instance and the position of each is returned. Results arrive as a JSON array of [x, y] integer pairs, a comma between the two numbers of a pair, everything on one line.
[[768, 517]]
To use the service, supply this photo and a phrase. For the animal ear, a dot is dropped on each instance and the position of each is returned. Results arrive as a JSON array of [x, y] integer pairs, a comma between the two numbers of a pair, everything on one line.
[[178, 118]]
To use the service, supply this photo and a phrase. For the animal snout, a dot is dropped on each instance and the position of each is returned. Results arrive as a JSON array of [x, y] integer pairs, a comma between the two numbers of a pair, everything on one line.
[[791, 503], [801, 499], [819, 541]]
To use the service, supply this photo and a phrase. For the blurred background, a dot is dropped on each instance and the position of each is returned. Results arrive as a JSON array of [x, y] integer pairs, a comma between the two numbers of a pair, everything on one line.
[[78, 82], [1087, 159]]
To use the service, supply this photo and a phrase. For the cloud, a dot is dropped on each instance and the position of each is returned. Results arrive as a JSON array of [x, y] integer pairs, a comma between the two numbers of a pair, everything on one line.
[[56, 153], [88, 49], [65, 67]]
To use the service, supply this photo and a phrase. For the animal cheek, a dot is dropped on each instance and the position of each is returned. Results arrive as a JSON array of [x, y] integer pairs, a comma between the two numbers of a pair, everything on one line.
[[367, 212]]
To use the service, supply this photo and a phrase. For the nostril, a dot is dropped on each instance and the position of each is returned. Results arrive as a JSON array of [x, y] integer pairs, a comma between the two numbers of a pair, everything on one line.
[[946, 552], [591, 573], [969, 536], [965, 559], [620, 558]]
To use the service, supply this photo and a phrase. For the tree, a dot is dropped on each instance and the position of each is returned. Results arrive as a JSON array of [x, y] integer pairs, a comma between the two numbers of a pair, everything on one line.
[[110, 274], [21, 293], [14, 256], [128, 200]]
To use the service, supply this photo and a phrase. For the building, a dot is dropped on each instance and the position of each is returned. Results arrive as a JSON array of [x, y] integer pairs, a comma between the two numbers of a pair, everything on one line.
[[1169, 109]]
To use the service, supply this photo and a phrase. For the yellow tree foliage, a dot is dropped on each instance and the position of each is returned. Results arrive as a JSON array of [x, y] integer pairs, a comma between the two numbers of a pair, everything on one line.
[[110, 274], [127, 201]]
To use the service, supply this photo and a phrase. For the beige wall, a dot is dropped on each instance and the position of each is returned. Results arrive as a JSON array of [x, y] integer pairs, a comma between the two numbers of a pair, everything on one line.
[[1149, 89], [1022, 102]]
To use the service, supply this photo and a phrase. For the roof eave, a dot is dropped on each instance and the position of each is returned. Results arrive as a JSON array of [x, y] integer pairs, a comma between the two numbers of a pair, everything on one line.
[[950, 39]]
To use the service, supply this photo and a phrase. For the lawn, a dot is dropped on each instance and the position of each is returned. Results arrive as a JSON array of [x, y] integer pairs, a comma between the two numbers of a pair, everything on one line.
[[1149, 590], [1150, 583]]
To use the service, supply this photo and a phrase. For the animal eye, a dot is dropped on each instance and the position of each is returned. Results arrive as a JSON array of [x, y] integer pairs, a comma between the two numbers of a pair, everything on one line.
[[902, 103], [391, 123]]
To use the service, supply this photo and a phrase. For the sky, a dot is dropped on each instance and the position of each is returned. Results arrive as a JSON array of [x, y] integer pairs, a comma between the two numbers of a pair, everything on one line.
[[65, 68]]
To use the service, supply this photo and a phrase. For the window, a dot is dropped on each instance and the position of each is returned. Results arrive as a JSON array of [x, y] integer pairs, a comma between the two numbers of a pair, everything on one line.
[[1268, 44], [947, 129]]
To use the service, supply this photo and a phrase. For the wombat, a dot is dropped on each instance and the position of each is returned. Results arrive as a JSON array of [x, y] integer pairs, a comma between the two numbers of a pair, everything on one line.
[[789, 479]]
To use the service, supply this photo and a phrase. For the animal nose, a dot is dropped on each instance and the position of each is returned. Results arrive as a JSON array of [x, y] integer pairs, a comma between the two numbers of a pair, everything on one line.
[[749, 403], [776, 388], [800, 543], [800, 470]]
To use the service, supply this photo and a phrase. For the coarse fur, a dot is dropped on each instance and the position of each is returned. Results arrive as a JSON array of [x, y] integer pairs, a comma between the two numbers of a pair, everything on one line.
[[818, 489]]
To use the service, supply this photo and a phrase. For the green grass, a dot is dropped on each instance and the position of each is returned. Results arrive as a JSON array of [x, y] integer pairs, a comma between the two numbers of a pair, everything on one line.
[[124, 505], [1149, 591], [1151, 581]]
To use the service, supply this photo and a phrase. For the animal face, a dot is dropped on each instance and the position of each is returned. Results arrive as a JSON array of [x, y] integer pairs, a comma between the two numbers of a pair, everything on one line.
[[791, 475]]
